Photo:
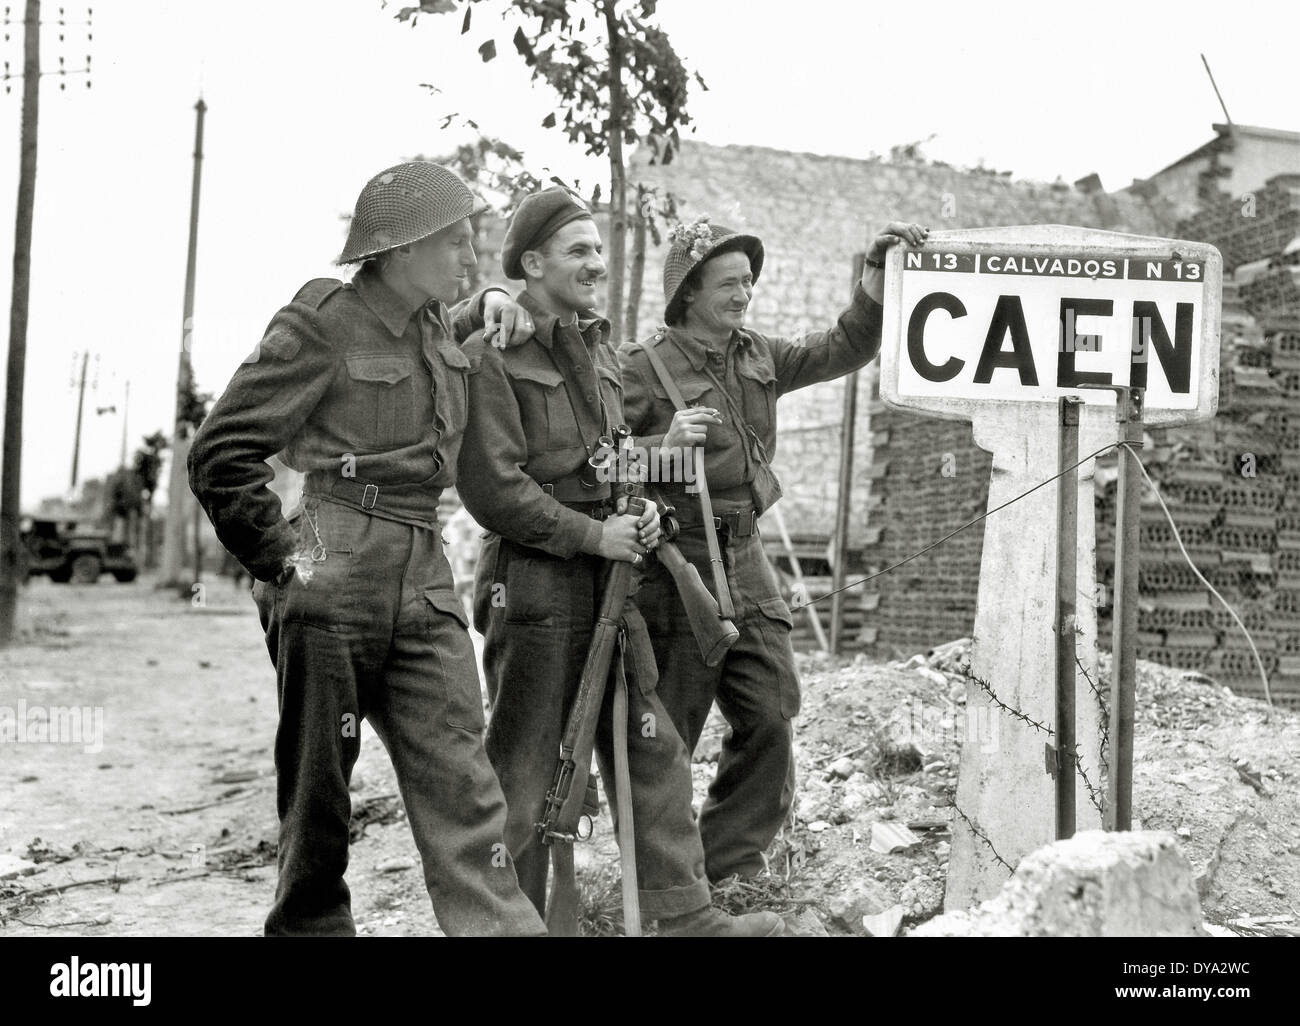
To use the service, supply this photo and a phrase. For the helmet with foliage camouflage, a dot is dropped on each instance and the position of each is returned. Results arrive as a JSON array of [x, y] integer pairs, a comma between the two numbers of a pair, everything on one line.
[[691, 246], [404, 204]]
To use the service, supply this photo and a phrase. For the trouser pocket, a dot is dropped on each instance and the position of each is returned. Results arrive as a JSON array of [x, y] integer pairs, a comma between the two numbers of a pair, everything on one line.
[[487, 584], [639, 653]]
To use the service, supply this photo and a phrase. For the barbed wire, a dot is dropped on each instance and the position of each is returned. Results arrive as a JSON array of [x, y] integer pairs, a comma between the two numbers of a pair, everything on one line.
[[970, 823], [987, 688], [1094, 794], [952, 534], [1103, 707]]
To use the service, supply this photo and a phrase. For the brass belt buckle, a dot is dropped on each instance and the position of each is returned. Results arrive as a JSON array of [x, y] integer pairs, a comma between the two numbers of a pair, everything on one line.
[[369, 496]]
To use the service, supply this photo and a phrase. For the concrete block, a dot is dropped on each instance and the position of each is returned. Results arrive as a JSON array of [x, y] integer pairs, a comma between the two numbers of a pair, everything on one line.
[[1095, 884]]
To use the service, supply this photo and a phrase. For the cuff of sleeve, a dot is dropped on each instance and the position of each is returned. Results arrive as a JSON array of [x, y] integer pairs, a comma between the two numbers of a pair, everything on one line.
[[482, 297], [269, 561], [574, 532], [872, 285]]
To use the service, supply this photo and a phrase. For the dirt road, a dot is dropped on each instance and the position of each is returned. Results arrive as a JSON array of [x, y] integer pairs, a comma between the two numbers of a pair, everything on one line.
[[158, 783], [151, 810]]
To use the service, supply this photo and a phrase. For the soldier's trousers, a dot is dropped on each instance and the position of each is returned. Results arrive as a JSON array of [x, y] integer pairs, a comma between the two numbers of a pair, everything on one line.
[[536, 612], [377, 632], [756, 688]]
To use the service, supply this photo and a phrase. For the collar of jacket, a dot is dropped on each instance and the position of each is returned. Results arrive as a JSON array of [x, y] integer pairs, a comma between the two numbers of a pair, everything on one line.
[[386, 304], [697, 350], [545, 323]]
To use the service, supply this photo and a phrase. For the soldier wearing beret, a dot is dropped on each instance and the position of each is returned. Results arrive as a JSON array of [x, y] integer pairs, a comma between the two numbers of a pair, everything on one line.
[[537, 413], [715, 391], [361, 386]]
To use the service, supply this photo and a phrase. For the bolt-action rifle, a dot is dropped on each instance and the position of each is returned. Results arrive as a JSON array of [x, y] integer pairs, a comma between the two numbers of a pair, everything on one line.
[[569, 797]]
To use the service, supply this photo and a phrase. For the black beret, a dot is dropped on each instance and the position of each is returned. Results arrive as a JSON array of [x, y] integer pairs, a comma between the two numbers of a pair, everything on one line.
[[539, 217]]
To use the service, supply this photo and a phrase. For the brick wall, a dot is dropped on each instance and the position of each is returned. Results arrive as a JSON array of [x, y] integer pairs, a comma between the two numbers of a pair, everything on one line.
[[1232, 485], [1233, 488]]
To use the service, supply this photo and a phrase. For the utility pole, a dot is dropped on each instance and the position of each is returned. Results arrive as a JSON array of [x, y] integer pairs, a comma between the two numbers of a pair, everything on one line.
[[11, 476], [840, 541], [76, 441], [11, 461], [126, 412], [178, 488]]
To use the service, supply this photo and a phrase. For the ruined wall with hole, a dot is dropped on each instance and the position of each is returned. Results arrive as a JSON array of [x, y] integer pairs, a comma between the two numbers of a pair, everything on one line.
[[915, 479], [1232, 485]]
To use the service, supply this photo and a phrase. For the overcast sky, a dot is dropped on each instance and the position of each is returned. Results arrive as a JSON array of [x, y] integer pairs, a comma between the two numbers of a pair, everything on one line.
[[306, 101]]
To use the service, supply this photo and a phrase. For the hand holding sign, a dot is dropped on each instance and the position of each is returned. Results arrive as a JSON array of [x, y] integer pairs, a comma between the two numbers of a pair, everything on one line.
[[906, 231]]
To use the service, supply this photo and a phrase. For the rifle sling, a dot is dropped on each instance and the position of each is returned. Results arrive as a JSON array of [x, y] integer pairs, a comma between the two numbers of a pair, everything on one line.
[[726, 609], [623, 798]]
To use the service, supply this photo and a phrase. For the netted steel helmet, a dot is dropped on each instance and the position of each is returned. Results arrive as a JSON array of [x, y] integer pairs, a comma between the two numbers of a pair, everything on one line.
[[405, 204]]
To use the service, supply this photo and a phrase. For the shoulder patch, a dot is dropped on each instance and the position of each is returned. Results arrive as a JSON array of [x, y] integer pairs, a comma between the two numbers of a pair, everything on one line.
[[316, 291], [280, 343]]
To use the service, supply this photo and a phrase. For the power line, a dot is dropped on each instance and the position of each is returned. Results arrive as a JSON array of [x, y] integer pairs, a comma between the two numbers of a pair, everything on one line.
[[987, 513]]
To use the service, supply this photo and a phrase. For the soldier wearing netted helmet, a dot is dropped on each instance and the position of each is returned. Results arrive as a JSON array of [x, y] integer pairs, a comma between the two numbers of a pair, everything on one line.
[[362, 387], [705, 385]]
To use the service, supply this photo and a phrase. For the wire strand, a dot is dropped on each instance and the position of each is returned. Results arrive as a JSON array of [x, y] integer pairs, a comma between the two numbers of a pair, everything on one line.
[[987, 513], [1259, 663]]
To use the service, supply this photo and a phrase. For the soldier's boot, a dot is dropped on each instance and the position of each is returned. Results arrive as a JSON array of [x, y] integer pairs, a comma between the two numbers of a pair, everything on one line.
[[713, 922]]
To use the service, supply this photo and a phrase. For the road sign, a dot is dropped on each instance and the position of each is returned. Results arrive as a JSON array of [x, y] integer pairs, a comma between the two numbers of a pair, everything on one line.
[[1031, 313]]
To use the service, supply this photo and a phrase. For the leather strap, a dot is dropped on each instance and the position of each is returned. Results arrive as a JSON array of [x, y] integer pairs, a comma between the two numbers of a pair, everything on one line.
[[576, 487], [623, 791], [592, 417], [740, 523], [409, 501], [726, 609]]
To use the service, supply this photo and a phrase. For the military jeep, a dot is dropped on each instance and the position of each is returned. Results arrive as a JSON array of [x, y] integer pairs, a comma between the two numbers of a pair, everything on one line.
[[67, 550]]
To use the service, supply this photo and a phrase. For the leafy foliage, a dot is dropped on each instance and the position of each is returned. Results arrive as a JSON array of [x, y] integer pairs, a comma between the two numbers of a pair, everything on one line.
[[618, 80], [493, 168], [571, 53]]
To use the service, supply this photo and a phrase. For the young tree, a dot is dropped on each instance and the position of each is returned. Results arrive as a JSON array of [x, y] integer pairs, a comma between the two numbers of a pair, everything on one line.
[[495, 169], [618, 79], [148, 469], [651, 208]]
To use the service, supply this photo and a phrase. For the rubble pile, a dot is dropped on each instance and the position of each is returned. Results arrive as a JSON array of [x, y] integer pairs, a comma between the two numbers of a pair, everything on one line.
[[878, 748]]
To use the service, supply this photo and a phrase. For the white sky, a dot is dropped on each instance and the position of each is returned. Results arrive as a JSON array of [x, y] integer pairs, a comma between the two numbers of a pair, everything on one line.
[[306, 101]]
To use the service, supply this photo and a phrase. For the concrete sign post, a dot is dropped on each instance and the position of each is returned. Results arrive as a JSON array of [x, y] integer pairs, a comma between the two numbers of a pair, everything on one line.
[[994, 326]]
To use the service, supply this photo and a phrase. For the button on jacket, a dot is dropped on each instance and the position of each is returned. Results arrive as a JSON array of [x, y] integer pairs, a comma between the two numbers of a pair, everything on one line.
[[527, 428], [348, 380], [537, 411], [755, 369]]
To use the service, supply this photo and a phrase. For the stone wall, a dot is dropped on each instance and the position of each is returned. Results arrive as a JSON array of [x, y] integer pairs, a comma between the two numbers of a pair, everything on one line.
[[915, 478], [814, 213]]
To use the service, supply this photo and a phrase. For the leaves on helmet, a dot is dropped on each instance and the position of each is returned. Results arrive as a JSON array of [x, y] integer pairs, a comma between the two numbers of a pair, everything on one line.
[[488, 50]]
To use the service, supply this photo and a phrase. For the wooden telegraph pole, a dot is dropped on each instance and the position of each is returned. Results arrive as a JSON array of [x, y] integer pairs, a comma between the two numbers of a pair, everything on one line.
[[76, 438], [11, 469], [10, 509], [178, 488], [841, 542]]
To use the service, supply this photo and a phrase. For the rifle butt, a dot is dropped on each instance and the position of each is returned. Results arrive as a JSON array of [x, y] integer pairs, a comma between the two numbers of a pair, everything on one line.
[[713, 633], [562, 908]]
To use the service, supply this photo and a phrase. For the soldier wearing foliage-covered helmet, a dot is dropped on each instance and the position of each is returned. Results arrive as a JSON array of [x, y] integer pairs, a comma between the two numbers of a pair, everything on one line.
[[728, 378]]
